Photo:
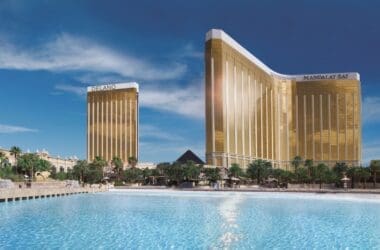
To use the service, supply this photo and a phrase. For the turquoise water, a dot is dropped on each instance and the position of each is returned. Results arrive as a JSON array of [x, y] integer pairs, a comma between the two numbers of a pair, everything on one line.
[[191, 220]]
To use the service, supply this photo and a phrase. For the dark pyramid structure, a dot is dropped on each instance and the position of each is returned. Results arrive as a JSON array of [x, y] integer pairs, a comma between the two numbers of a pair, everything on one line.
[[190, 156]]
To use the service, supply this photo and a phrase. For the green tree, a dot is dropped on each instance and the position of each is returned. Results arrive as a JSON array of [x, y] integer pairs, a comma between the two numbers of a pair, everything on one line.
[[302, 175], [283, 176], [132, 161], [364, 174], [53, 172], [340, 169], [99, 162], [323, 174], [43, 165], [28, 163], [191, 171], [353, 173], [2, 157], [174, 172], [259, 169], [212, 174], [375, 168], [235, 170], [146, 173], [95, 171], [16, 152], [118, 166], [4, 161], [309, 165], [94, 175], [80, 170], [296, 162], [162, 166], [133, 175], [61, 176], [7, 173], [70, 174]]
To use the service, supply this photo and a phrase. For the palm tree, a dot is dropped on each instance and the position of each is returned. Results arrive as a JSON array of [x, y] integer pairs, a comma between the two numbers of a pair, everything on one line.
[[296, 162], [2, 158], [309, 165], [283, 176], [80, 170], [375, 167], [353, 173], [364, 174], [322, 173], [99, 162], [16, 152], [259, 169], [96, 168], [235, 170], [132, 161], [29, 163], [191, 171], [340, 169], [212, 174], [118, 166]]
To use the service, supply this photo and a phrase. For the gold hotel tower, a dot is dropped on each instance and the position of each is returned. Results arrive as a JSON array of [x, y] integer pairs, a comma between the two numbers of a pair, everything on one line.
[[112, 121], [253, 112]]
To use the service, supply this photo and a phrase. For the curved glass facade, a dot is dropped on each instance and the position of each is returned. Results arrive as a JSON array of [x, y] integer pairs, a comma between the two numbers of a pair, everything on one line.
[[253, 112]]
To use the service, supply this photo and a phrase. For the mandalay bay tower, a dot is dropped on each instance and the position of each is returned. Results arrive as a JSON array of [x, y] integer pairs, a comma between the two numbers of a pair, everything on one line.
[[112, 121], [253, 112]]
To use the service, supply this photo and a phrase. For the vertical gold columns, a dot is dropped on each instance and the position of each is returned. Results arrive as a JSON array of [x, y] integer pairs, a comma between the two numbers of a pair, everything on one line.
[[253, 112], [112, 117]]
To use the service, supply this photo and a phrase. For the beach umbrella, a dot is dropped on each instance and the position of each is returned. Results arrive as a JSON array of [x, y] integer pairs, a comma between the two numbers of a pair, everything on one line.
[[345, 180]]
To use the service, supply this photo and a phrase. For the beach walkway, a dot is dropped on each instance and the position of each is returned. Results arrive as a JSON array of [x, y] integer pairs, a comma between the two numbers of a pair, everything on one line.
[[16, 194]]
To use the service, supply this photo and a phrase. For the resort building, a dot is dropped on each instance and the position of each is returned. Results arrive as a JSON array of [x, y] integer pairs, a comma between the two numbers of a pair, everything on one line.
[[253, 112], [112, 121], [61, 164]]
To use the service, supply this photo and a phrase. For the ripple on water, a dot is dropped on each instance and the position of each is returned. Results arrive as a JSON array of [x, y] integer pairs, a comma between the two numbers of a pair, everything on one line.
[[190, 220]]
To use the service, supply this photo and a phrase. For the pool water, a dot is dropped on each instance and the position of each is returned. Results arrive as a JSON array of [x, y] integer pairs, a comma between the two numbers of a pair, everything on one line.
[[192, 220]]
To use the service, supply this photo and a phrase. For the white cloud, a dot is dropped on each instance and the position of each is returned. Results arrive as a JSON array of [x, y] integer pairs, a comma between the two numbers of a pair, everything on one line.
[[371, 110], [190, 51], [149, 131], [68, 52], [10, 129], [187, 101], [81, 91]]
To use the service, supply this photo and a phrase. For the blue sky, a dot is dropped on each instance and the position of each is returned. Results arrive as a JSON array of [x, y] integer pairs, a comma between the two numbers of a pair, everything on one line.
[[51, 50]]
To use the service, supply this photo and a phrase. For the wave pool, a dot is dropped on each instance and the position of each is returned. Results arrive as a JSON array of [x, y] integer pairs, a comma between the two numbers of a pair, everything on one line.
[[151, 219]]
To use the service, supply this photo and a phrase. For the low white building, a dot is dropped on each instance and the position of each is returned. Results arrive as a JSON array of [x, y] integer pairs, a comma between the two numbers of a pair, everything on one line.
[[61, 164], [143, 165]]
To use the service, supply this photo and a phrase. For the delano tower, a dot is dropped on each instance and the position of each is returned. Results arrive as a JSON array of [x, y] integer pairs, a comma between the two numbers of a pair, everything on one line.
[[112, 121], [253, 112]]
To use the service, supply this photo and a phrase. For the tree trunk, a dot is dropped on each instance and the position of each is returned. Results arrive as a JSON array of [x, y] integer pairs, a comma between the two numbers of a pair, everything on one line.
[[258, 177], [374, 179], [31, 180]]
